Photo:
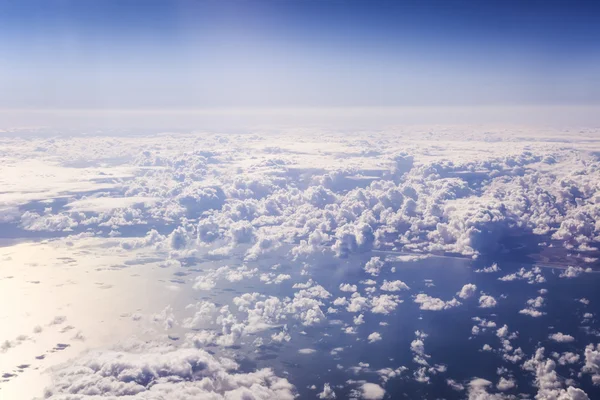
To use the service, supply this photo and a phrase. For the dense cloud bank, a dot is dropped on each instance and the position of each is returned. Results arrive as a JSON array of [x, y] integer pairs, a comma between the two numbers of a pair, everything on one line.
[[153, 371], [412, 195], [266, 212]]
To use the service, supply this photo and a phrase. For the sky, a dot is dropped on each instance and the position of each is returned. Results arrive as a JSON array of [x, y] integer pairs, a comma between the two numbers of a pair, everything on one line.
[[181, 55]]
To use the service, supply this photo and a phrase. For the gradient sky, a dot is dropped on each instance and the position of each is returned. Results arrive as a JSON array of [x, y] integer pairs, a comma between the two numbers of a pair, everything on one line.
[[133, 54]]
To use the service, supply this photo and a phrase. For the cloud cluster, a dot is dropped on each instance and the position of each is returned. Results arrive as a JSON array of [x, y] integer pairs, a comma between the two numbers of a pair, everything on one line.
[[257, 198], [158, 371], [236, 191]]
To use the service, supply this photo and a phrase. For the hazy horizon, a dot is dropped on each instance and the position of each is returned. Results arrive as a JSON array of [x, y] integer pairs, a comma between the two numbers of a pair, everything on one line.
[[338, 53]]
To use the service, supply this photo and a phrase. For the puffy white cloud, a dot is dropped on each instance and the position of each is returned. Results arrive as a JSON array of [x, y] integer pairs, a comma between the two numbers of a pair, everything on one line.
[[433, 303], [459, 387], [533, 307], [374, 337], [561, 337], [357, 303], [547, 380], [488, 270], [388, 373], [394, 286], [254, 196], [532, 276], [373, 266], [532, 312], [346, 287], [486, 301], [467, 291], [384, 304], [502, 331], [572, 272], [340, 301], [143, 371], [506, 384], [566, 358], [592, 362], [372, 391], [327, 392]]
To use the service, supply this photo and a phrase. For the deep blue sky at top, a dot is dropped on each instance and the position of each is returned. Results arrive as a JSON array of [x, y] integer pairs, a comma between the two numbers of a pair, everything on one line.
[[297, 53]]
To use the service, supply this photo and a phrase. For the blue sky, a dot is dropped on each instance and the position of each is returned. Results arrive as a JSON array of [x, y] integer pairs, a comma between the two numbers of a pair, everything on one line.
[[286, 53]]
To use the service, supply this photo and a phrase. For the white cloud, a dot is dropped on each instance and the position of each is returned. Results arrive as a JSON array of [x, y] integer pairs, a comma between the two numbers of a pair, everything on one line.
[[143, 371], [433, 303], [532, 276], [592, 362], [327, 392], [253, 197], [372, 391], [488, 270], [531, 312], [572, 272], [547, 380], [374, 337], [346, 287], [394, 286], [486, 301], [561, 337], [506, 384], [384, 304], [467, 291], [374, 266]]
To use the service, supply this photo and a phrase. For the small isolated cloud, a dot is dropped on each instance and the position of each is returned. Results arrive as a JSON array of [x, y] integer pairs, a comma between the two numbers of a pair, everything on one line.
[[372, 391], [433, 303], [394, 286], [327, 392], [307, 351], [488, 270], [572, 272], [384, 304], [459, 387], [467, 291], [373, 266], [532, 312], [374, 337], [359, 319], [346, 287], [561, 337], [487, 301], [505, 384]]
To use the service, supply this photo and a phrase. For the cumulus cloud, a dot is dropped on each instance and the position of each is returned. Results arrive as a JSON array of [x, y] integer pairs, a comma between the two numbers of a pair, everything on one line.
[[433, 303], [373, 266], [346, 287], [374, 337], [143, 371], [532, 276], [533, 306], [592, 362], [384, 304], [327, 392], [547, 380], [394, 286], [561, 337], [488, 270], [467, 291], [572, 272], [250, 197], [486, 301], [372, 391]]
